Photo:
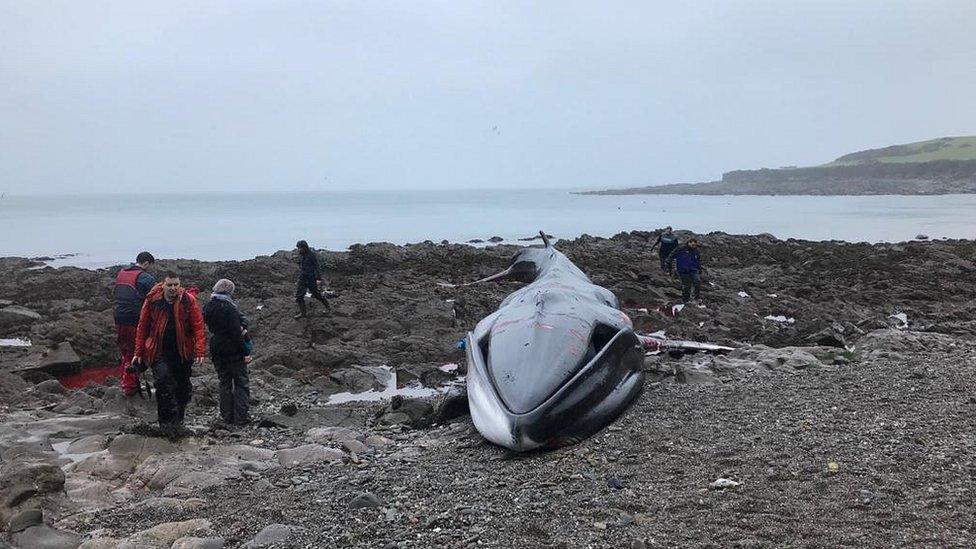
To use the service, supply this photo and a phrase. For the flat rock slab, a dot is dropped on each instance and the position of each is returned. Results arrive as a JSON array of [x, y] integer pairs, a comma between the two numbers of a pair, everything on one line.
[[43, 536], [165, 534]]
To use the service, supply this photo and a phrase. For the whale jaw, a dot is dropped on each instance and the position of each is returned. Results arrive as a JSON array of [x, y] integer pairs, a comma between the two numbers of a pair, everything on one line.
[[583, 405]]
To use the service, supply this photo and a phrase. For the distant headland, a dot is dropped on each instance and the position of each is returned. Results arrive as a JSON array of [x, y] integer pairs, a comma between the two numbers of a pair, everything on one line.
[[938, 166]]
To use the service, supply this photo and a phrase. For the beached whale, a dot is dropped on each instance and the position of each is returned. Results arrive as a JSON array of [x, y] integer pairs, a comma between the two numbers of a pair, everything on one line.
[[557, 361]]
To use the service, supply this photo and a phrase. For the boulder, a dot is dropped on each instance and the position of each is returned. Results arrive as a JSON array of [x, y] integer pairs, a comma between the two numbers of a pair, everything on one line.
[[270, 535], [365, 500], [24, 520], [354, 446], [59, 360], [358, 379]]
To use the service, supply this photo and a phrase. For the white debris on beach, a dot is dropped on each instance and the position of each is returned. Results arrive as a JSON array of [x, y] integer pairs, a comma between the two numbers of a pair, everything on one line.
[[15, 342], [675, 309], [902, 319], [743, 295], [781, 318]]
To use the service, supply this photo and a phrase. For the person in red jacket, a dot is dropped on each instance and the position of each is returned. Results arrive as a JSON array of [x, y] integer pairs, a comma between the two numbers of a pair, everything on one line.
[[131, 286], [169, 339]]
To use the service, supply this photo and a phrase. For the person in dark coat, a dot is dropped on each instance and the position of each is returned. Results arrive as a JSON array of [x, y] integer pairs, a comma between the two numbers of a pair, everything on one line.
[[668, 242], [309, 278], [230, 352], [132, 284], [689, 268]]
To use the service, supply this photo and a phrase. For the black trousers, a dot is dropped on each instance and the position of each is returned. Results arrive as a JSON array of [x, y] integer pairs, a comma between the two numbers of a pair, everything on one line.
[[663, 254], [311, 286], [689, 282], [173, 390], [235, 390]]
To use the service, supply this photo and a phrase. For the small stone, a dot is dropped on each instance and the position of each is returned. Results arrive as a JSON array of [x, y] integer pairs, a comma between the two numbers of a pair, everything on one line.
[[289, 409], [600, 525], [615, 483], [365, 500]]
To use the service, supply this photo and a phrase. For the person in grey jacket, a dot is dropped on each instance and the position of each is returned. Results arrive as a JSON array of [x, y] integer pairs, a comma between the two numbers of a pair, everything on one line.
[[230, 351]]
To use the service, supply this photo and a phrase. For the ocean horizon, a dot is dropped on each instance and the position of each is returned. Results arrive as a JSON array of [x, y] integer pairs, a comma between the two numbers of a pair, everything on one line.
[[109, 229]]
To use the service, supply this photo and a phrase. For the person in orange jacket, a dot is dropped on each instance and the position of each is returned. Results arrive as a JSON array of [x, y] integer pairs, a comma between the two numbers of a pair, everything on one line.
[[170, 338]]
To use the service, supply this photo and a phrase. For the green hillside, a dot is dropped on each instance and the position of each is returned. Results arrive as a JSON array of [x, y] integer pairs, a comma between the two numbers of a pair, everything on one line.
[[945, 148]]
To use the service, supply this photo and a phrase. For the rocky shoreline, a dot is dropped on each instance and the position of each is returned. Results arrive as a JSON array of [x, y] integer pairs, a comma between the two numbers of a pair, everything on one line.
[[844, 417]]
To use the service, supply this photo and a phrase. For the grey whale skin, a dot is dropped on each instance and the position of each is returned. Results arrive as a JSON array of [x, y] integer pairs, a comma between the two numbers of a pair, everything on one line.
[[558, 360]]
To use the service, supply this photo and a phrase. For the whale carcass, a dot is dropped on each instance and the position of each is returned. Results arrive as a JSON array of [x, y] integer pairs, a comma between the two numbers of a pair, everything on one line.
[[557, 361]]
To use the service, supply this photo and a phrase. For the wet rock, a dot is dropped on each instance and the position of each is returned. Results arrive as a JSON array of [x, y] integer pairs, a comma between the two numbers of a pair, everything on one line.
[[414, 411], [358, 379], [89, 444], [44, 477], [24, 520], [828, 337], [775, 359], [43, 536], [18, 493], [308, 454], [78, 402], [496, 239], [50, 386], [694, 375], [270, 535], [452, 405], [365, 500], [13, 317], [60, 360]]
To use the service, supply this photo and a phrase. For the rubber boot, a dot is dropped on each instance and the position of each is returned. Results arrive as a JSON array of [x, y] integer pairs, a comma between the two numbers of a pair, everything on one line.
[[301, 310]]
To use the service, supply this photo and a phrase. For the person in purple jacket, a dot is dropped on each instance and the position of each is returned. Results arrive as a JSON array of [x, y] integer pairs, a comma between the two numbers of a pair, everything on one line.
[[689, 268]]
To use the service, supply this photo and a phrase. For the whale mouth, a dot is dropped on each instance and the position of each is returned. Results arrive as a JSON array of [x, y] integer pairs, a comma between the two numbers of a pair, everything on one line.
[[525, 377], [582, 405]]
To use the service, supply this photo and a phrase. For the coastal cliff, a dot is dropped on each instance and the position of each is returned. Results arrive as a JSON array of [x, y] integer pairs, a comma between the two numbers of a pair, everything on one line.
[[939, 166]]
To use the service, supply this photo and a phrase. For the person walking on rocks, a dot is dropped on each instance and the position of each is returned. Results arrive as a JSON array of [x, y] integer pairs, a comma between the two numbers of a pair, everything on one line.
[[230, 352], [170, 339], [309, 278], [668, 242], [131, 286], [689, 268]]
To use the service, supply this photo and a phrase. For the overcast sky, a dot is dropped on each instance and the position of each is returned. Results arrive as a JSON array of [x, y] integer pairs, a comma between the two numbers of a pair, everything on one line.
[[206, 95]]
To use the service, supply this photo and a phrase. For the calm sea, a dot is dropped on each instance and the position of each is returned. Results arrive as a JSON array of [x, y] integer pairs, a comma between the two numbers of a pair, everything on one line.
[[111, 229]]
